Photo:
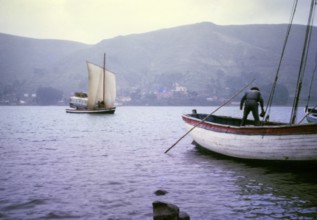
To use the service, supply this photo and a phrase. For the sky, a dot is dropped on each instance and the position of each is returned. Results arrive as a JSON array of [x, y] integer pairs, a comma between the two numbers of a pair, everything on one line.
[[91, 21]]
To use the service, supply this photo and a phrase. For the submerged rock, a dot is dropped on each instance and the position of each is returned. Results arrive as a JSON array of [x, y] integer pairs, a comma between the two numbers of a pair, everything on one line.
[[183, 216], [167, 211], [160, 192]]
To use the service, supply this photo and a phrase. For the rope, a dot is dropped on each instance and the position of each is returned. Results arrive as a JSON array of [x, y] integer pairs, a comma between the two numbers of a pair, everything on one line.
[[303, 61], [270, 100], [311, 83], [314, 71]]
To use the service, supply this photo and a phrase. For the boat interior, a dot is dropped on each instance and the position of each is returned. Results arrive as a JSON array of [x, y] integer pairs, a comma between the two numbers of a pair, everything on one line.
[[224, 120]]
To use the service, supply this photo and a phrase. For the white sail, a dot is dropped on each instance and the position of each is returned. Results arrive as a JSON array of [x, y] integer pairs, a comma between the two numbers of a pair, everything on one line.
[[110, 90], [96, 91]]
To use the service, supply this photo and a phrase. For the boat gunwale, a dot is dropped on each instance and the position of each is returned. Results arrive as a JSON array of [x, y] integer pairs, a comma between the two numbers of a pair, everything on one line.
[[273, 130]]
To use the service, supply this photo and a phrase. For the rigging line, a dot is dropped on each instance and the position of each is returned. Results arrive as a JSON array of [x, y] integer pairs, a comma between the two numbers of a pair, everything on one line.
[[303, 62], [314, 71], [270, 100], [311, 84], [310, 30]]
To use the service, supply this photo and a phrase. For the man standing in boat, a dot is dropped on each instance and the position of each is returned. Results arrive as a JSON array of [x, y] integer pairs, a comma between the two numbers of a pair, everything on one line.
[[250, 100]]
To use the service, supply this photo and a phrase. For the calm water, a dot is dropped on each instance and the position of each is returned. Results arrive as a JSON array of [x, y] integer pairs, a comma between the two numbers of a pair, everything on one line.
[[55, 165]]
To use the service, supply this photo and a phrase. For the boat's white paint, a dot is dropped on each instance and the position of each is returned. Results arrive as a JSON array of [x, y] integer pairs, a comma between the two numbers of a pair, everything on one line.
[[260, 147]]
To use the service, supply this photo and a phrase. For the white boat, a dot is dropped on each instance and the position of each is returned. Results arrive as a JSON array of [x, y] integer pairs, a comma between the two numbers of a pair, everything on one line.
[[101, 93], [95, 111], [311, 116], [272, 141], [268, 141]]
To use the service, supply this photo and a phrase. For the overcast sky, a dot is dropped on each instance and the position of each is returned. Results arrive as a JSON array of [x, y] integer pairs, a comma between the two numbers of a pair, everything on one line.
[[90, 21]]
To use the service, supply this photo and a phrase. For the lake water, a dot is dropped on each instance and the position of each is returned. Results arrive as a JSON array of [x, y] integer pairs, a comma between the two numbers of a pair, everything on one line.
[[55, 165]]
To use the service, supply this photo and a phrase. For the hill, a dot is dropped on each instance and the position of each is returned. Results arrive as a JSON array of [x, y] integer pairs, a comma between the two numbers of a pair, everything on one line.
[[204, 58]]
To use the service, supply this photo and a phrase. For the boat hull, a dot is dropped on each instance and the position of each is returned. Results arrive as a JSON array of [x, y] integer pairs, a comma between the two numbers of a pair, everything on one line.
[[96, 111], [312, 118], [273, 142]]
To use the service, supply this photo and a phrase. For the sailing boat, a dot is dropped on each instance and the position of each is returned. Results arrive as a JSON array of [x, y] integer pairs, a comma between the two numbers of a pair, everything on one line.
[[268, 141], [101, 92]]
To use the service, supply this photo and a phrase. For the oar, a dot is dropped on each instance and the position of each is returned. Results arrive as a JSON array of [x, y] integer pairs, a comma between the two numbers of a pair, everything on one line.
[[226, 102]]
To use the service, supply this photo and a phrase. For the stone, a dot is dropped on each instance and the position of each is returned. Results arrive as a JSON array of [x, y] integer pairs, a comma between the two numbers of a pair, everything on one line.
[[160, 192], [183, 216], [165, 211]]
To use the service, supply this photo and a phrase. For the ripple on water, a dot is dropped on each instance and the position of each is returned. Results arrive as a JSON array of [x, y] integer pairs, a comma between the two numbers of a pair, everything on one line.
[[109, 167], [24, 205]]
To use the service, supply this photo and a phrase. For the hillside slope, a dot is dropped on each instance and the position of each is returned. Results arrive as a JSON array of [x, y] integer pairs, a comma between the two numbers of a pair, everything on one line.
[[204, 57]]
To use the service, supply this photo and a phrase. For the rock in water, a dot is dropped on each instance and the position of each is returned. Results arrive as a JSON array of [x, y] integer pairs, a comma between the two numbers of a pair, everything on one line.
[[167, 211], [160, 192]]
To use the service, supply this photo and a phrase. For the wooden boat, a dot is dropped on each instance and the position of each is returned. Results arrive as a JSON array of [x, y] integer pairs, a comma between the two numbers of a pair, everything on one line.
[[272, 141], [101, 93], [94, 111], [268, 141]]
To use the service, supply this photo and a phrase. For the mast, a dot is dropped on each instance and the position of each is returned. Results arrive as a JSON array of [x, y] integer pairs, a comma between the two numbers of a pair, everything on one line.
[[104, 78], [311, 84], [270, 100], [303, 62]]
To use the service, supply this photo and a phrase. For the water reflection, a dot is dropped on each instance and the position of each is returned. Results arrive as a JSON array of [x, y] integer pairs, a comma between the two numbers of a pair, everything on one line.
[[269, 188], [56, 165]]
